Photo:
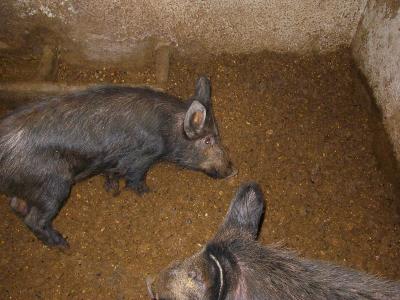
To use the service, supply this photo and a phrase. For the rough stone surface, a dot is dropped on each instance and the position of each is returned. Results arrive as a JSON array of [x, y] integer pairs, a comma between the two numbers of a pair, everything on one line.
[[105, 30], [376, 49]]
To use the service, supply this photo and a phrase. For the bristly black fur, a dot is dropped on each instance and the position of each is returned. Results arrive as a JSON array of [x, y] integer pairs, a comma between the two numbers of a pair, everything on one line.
[[251, 271], [116, 131]]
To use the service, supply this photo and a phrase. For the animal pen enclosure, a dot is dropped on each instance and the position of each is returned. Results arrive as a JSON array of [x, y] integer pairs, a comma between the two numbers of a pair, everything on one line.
[[306, 95]]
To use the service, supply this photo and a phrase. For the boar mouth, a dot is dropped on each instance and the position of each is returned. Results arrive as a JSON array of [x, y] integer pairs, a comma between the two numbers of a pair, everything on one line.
[[233, 173], [221, 175]]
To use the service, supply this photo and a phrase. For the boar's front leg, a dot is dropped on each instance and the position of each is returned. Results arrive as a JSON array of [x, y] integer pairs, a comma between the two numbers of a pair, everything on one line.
[[137, 167], [136, 180], [135, 177]]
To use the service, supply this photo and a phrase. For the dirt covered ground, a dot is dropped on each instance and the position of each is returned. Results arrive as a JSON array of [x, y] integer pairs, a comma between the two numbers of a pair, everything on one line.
[[300, 126]]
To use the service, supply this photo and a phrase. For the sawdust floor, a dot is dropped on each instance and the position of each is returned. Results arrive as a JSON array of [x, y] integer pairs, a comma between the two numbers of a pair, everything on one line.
[[300, 126]]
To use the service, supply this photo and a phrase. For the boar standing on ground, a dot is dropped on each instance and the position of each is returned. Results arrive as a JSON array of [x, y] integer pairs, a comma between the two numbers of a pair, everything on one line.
[[116, 131], [234, 266]]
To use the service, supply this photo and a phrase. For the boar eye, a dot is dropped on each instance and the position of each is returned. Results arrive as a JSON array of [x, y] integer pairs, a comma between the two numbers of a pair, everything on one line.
[[207, 140]]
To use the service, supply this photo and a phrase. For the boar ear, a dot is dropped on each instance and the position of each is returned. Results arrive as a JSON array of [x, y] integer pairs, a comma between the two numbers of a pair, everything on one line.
[[223, 270], [246, 211], [203, 90], [195, 119]]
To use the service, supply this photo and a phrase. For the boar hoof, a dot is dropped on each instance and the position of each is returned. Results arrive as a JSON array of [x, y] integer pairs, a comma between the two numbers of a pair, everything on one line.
[[112, 185], [142, 189], [53, 238], [139, 189]]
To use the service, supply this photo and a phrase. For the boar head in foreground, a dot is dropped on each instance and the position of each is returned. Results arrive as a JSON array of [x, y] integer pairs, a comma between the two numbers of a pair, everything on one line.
[[234, 266]]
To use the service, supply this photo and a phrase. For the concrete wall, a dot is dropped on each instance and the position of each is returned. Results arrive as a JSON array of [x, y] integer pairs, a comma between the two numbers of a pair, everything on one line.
[[105, 30], [376, 50]]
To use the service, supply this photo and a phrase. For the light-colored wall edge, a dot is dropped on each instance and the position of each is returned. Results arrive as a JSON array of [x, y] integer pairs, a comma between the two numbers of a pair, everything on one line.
[[376, 50]]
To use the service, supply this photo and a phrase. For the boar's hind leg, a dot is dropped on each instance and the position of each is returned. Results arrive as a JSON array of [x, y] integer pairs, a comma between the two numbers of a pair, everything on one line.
[[19, 206], [40, 217]]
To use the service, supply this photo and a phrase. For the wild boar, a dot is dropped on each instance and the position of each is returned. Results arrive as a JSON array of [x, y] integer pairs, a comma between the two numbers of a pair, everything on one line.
[[116, 131], [234, 266]]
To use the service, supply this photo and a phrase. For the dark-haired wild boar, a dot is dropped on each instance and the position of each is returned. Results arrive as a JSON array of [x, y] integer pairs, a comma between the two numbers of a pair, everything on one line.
[[234, 266], [116, 131]]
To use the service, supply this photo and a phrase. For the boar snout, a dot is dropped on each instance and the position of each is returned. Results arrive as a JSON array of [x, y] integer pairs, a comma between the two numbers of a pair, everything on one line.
[[217, 163], [221, 173]]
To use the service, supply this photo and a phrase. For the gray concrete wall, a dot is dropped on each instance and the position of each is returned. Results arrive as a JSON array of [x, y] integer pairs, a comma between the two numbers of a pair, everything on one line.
[[104, 30], [376, 50]]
